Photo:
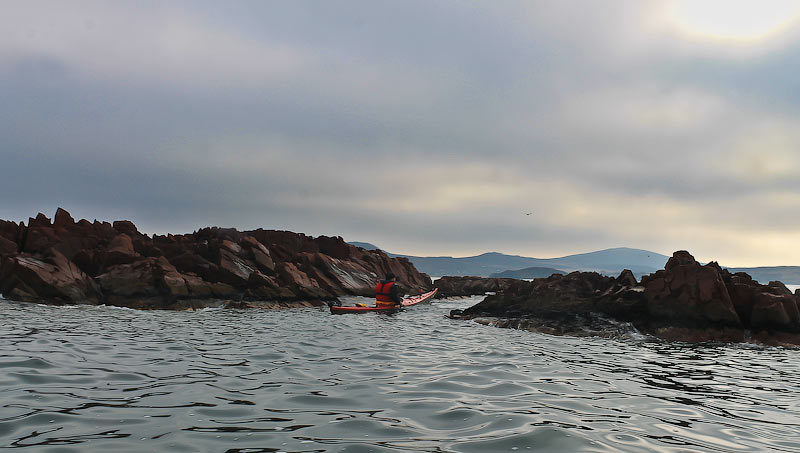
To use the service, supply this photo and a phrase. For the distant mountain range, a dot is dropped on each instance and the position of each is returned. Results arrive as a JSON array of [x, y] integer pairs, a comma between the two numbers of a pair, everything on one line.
[[789, 275], [365, 245], [528, 272], [606, 262]]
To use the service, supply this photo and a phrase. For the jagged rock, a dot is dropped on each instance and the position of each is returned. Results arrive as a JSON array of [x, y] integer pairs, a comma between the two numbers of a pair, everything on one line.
[[759, 306], [450, 286], [7, 247], [197, 287], [260, 253], [626, 278], [742, 290], [680, 258], [335, 247], [233, 269], [257, 280], [232, 247], [171, 282], [63, 219], [685, 301], [289, 274], [40, 220], [39, 239], [12, 231], [120, 250], [146, 278], [25, 277], [262, 287], [126, 227], [181, 271], [129, 280], [332, 273], [772, 311], [322, 272], [224, 291], [624, 299], [687, 291], [575, 292], [192, 262], [779, 288], [300, 283]]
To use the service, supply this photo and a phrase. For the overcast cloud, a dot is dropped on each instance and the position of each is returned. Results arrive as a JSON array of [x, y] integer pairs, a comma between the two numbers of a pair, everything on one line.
[[427, 128]]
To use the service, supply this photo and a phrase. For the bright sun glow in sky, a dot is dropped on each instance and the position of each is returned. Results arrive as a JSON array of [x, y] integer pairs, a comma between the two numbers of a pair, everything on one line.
[[740, 20]]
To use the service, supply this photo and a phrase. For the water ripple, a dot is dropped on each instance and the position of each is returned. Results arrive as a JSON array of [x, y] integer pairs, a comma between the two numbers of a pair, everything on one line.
[[100, 378]]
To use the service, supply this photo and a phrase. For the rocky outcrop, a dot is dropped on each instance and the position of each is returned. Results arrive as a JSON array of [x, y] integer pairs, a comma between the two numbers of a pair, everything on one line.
[[49, 276], [576, 292], [65, 261], [469, 286], [684, 301], [688, 292]]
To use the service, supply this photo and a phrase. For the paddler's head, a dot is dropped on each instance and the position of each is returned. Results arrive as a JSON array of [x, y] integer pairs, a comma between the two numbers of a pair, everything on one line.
[[390, 276]]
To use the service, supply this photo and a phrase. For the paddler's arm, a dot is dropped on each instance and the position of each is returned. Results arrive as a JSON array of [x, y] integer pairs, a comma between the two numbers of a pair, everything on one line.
[[396, 294]]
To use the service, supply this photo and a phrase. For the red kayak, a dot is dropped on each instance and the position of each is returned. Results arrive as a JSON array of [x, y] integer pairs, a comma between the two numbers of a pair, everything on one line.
[[414, 300]]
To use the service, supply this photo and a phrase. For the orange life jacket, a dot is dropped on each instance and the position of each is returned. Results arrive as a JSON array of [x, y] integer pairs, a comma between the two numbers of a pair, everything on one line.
[[383, 295]]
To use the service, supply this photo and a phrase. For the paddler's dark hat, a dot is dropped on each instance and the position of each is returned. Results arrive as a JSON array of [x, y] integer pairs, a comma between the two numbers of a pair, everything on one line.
[[390, 276]]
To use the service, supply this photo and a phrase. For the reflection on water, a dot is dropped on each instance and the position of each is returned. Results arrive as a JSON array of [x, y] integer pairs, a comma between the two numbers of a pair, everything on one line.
[[100, 379]]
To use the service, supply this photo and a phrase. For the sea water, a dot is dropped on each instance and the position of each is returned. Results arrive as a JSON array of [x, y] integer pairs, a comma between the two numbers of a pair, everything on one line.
[[78, 379]]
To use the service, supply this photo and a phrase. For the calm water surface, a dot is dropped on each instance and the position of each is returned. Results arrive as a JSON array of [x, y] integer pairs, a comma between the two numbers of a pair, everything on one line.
[[108, 379]]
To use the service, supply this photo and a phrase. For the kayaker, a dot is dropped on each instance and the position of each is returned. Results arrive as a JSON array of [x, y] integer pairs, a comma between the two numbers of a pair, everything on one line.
[[387, 292]]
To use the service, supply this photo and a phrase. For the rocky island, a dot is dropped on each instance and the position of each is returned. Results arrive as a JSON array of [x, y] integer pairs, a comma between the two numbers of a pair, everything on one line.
[[69, 262], [684, 301]]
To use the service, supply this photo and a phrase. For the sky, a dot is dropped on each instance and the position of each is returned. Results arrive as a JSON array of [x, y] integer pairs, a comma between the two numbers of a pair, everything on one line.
[[536, 128]]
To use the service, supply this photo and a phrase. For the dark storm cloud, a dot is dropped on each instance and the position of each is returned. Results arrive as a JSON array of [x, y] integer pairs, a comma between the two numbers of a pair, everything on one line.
[[352, 118]]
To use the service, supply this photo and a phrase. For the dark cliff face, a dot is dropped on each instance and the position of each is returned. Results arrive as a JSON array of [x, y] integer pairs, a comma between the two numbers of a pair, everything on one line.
[[468, 286], [98, 262], [685, 301]]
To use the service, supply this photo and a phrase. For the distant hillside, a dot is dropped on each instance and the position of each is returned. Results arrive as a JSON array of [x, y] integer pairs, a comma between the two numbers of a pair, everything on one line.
[[608, 262], [364, 245], [528, 272], [789, 275], [481, 265]]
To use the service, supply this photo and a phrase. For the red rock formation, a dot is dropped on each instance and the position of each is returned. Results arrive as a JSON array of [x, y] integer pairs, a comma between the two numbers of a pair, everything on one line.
[[7, 247], [11, 231], [63, 219], [51, 277], [120, 251], [687, 291], [97, 262], [685, 301], [575, 292], [770, 307], [467, 286]]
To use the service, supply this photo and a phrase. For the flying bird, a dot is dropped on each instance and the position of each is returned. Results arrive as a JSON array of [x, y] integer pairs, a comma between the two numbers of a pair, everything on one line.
[[528, 213]]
